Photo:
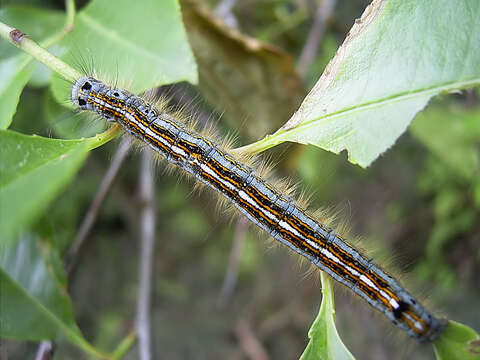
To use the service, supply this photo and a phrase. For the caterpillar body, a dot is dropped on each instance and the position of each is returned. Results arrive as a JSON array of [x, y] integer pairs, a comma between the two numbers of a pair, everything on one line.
[[260, 202]]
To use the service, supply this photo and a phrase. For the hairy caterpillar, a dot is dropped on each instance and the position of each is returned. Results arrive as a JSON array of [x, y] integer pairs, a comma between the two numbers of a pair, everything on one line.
[[260, 202]]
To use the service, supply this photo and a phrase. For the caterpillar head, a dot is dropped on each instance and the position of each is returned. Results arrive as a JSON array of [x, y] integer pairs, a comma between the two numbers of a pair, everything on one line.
[[91, 94]]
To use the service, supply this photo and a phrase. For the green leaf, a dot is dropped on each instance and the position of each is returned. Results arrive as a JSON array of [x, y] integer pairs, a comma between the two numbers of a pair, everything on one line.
[[458, 341], [32, 171], [452, 134], [34, 302], [14, 63], [476, 194], [325, 343], [395, 58], [142, 46]]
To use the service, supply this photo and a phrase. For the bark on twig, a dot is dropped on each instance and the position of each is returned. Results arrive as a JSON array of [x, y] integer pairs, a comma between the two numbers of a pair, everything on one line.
[[315, 35], [224, 11], [45, 351], [93, 210], [233, 261], [147, 244], [249, 342]]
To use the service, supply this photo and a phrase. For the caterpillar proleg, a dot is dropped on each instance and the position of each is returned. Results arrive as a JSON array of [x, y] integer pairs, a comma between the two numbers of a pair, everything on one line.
[[279, 215]]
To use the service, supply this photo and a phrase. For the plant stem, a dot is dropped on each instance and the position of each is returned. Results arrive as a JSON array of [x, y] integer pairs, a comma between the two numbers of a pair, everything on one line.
[[124, 346], [104, 137], [20, 40], [70, 10], [261, 145]]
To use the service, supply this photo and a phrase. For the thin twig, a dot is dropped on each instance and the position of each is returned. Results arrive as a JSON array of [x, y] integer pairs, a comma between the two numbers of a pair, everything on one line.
[[315, 35], [45, 350], [249, 342], [232, 270], [224, 11], [147, 196], [93, 210]]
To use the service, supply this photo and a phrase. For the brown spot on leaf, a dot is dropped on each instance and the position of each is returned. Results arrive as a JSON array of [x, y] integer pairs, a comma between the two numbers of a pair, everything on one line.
[[474, 347]]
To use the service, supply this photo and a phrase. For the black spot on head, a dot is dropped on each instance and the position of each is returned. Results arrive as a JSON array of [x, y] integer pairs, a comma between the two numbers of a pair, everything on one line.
[[115, 94], [86, 86], [402, 306], [81, 102]]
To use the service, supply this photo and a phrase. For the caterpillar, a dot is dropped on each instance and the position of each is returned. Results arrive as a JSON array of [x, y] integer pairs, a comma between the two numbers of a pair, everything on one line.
[[279, 215]]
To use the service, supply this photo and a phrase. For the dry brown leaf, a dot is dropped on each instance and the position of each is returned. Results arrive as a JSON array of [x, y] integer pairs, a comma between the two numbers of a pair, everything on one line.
[[253, 84]]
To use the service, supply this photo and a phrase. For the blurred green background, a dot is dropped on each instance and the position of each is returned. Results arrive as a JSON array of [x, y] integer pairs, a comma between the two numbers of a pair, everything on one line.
[[417, 209]]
